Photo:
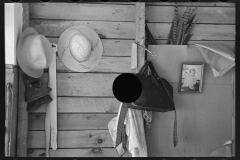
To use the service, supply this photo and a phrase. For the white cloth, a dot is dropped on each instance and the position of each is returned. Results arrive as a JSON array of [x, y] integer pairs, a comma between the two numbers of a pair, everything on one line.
[[219, 56], [136, 140]]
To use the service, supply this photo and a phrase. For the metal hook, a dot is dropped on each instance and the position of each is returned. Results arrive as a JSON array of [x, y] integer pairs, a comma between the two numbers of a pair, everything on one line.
[[152, 53]]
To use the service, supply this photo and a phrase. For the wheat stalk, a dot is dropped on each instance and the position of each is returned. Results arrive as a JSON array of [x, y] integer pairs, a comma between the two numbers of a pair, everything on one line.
[[175, 31], [180, 28], [170, 33]]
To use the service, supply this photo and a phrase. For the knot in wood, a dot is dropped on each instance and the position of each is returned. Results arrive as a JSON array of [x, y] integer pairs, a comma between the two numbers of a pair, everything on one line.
[[96, 150], [99, 141]]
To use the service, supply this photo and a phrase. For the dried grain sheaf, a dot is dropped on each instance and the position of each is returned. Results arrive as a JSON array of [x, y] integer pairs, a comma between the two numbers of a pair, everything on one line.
[[180, 29]]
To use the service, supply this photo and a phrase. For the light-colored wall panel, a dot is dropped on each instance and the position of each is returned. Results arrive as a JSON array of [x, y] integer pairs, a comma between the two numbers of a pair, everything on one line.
[[204, 122], [169, 60]]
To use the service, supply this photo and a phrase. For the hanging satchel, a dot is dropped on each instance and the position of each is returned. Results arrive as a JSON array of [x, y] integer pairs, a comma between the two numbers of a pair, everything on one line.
[[157, 94]]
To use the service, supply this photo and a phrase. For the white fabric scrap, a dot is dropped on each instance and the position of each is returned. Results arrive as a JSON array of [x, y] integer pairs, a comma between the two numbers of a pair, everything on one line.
[[136, 140], [220, 58]]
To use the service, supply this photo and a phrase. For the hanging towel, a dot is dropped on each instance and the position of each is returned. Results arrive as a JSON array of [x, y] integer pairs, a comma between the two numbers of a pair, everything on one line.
[[220, 58], [134, 130]]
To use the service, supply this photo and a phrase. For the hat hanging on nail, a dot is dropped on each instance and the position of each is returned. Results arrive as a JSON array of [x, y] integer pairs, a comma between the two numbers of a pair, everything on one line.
[[33, 52], [80, 48]]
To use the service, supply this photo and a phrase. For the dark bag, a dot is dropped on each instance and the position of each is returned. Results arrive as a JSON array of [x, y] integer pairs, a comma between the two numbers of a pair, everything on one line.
[[157, 94]]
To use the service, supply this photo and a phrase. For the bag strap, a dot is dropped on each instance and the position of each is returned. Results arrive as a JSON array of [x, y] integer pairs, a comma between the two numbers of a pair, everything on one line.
[[175, 137], [143, 69], [154, 73]]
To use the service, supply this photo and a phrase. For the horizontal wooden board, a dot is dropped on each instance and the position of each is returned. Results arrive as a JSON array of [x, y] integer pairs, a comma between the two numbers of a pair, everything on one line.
[[72, 121], [111, 47], [214, 15], [89, 152], [169, 60], [199, 31], [107, 64], [72, 139], [85, 84], [230, 44], [84, 105], [54, 28], [81, 11], [205, 4]]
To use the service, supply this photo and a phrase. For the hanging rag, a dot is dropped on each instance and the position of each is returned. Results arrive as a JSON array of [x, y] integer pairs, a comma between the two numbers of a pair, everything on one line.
[[127, 132], [219, 56]]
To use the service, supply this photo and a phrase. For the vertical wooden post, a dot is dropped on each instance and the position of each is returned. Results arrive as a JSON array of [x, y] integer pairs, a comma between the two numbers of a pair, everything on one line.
[[22, 105], [11, 96], [140, 33], [233, 117]]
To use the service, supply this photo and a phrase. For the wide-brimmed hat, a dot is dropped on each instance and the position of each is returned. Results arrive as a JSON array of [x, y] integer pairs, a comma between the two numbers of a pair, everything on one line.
[[80, 48], [33, 52]]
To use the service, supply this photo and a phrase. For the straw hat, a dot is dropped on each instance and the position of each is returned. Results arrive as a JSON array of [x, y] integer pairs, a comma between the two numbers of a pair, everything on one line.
[[80, 48], [34, 52]]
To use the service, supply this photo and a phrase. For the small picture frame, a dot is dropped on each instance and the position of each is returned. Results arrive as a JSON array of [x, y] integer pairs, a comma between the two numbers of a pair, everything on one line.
[[191, 78]]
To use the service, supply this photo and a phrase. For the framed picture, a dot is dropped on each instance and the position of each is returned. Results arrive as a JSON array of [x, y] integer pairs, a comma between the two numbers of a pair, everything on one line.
[[191, 78]]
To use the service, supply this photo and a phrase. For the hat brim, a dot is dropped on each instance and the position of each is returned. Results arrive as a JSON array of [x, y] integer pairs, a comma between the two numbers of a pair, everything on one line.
[[65, 55], [20, 54]]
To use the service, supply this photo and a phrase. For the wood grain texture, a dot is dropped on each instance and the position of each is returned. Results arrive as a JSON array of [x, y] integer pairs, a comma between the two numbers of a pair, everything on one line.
[[140, 34], [204, 120], [205, 4], [54, 28], [22, 105], [72, 139], [199, 31], [22, 120], [230, 44], [72, 121], [107, 64], [111, 47], [11, 76], [81, 11], [213, 15], [84, 105], [88, 152], [85, 84]]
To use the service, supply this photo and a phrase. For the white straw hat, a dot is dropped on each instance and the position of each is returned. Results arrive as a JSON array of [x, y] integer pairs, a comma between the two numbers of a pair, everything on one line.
[[33, 52], [80, 48]]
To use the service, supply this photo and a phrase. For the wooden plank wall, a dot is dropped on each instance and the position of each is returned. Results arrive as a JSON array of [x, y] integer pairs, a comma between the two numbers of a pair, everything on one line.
[[204, 120], [86, 102], [216, 22]]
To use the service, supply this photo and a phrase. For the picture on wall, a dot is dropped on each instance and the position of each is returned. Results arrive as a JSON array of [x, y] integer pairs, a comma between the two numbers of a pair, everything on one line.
[[191, 78]]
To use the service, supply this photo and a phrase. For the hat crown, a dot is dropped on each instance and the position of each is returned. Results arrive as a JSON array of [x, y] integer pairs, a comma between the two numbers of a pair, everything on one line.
[[80, 47], [34, 52], [36, 56]]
